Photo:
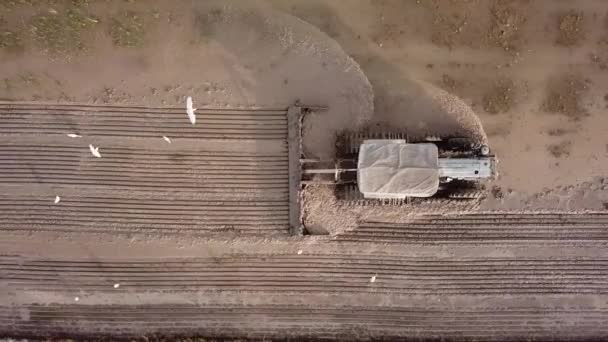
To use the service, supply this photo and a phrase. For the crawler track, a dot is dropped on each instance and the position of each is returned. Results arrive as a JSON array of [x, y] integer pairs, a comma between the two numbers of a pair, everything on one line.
[[210, 179], [486, 228], [314, 273]]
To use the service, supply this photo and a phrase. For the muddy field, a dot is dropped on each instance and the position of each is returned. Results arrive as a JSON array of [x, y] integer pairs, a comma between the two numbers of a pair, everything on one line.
[[173, 230]]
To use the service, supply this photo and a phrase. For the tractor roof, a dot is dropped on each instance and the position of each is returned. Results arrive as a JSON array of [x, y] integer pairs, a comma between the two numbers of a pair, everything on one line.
[[395, 169]]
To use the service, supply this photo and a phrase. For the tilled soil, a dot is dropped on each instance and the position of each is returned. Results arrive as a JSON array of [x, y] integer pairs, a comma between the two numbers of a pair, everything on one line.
[[527, 276], [233, 162]]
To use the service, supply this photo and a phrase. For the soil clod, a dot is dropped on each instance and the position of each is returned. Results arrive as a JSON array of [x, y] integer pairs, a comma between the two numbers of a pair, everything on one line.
[[500, 97], [561, 149], [564, 96], [571, 30]]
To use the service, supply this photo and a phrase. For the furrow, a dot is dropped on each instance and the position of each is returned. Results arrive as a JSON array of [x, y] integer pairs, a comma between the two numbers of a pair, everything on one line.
[[484, 229], [147, 204], [277, 133], [13, 106], [147, 177], [141, 122], [207, 230], [149, 183], [20, 149], [314, 273], [198, 221], [207, 169], [294, 321], [112, 155], [64, 209], [116, 117]]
